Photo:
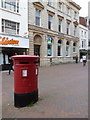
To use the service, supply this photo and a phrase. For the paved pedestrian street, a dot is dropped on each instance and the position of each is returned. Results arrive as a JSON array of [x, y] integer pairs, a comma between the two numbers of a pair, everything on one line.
[[63, 93]]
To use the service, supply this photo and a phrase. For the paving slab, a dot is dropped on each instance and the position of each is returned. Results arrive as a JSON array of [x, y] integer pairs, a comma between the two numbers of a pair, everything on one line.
[[63, 93]]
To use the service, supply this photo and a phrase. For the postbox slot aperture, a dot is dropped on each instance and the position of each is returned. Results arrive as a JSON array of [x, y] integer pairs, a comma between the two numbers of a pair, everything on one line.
[[24, 62]]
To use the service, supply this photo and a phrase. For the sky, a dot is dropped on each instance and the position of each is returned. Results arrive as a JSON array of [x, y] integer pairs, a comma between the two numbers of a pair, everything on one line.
[[84, 7]]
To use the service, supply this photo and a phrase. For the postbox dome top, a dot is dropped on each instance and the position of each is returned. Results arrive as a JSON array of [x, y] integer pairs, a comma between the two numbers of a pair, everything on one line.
[[24, 57]]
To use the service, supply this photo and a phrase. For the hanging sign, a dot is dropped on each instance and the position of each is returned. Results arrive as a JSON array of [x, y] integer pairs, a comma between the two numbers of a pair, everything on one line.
[[49, 40]]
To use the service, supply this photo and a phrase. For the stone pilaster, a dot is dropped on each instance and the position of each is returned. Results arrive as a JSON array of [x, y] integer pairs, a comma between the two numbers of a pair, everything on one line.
[[31, 43], [71, 49], [55, 44], [44, 46], [64, 48]]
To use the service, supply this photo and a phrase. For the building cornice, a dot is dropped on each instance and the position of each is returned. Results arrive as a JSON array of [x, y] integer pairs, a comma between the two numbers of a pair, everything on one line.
[[43, 31], [38, 5], [50, 12], [75, 5]]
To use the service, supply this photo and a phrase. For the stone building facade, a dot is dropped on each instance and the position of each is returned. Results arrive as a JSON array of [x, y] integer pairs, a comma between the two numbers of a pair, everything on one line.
[[53, 30]]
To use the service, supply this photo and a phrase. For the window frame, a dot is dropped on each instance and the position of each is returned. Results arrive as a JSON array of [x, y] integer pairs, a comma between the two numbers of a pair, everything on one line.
[[50, 44], [60, 6], [10, 5], [67, 49], [50, 17], [49, 3], [68, 10], [75, 30], [68, 28], [60, 25], [10, 25], [38, 17], [59, 52], [74, 47]]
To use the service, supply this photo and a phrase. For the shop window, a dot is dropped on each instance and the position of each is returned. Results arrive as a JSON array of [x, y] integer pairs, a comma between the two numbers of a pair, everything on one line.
[[49, 47], [10, 27], [59, 48], [1, 58], [38, 17], [49, 22], [12, 5], [67, 48], [74, 47]]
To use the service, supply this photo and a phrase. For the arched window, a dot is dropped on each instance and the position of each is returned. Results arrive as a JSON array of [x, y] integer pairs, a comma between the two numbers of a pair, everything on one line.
[[59, 48], [49, 46], [74, 47], [67, 48]]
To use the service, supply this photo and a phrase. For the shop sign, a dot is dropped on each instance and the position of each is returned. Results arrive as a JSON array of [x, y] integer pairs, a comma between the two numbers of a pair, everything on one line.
[[7, 41], [13, 41]]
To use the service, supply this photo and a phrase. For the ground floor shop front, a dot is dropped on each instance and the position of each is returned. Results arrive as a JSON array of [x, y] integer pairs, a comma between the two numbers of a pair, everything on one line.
[[52, 47], [9, 46]]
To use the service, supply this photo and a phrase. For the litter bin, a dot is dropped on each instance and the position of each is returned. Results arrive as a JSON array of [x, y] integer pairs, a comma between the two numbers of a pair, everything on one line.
[[25, 80]]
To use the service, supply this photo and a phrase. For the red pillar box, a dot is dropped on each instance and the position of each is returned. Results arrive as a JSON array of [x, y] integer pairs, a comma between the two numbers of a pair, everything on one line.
[[25, 80]]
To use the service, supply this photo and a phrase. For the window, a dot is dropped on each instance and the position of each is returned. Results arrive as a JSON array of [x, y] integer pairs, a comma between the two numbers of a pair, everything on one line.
[[49, 2], [38, 17], [67, 28], [74, 47], [89, 22], [59, 48], [49, 47], [68, 11], [89, 42], [75, 14], [67, 48], [82, 44], [12, 5], [75, 29], [60, 25], [82, 33], [49, 22], [60, 6], [10, 27], [85, 34]]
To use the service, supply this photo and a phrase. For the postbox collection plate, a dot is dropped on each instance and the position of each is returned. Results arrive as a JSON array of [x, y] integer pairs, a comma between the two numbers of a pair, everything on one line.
[[24, 73]]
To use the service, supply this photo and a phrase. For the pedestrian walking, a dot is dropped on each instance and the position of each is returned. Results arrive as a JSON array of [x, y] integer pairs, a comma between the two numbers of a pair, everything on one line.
[[84, 58], [76, 59], [10, 65]]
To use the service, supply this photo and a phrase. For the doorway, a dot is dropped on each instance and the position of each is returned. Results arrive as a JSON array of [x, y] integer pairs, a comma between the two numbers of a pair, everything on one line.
[[37, 50], [37, 46]]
